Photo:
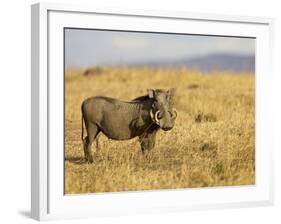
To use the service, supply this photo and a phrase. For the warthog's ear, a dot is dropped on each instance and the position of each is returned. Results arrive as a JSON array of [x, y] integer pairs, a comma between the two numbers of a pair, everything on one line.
[[171, 93], [151, 93]]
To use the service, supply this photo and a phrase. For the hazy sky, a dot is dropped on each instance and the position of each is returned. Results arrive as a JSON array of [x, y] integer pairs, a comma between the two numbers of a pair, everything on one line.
[[84, 48]]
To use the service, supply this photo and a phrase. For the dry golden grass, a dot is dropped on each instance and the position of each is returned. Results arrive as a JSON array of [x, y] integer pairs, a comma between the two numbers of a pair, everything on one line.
[[212, 143]]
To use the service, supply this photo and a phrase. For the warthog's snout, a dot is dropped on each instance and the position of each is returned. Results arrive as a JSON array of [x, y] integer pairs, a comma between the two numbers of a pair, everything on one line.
[[168, 128], [165, 118]]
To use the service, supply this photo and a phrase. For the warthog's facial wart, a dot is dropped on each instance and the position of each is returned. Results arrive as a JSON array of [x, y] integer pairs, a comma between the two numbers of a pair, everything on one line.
[[162, 112]]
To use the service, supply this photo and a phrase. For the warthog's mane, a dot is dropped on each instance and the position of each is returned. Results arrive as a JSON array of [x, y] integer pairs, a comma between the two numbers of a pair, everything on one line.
[[141, 98], [146, 97]]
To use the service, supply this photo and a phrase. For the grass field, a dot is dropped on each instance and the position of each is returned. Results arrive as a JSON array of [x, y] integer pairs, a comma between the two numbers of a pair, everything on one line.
[[212, 143]]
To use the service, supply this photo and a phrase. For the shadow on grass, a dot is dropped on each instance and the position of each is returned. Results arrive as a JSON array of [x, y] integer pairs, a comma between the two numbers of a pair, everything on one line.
[[75, 159]]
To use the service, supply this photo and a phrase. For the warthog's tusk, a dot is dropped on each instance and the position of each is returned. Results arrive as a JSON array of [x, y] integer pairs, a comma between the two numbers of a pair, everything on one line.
[[151, 115], [175, 113], [156, 117]]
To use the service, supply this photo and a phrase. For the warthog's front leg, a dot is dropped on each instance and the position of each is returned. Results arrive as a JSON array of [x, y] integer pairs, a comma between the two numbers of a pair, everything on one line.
[[147, 142]]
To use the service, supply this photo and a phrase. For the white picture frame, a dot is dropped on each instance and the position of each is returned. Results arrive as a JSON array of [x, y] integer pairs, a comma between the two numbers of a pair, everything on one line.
[[47, 198]]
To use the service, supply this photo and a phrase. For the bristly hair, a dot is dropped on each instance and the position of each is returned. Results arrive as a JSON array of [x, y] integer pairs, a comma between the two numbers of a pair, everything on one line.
[[146, 97], [141, 98], [160, 90]]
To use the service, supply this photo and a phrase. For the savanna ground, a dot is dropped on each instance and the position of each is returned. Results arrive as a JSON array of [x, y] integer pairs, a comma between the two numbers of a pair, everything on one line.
[[212, 143]]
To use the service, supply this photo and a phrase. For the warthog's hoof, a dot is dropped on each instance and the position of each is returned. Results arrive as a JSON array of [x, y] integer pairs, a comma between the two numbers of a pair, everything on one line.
[[90, 161], [87, 160]]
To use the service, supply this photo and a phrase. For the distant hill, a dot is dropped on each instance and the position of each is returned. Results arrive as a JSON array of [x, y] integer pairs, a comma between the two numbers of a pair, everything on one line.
[[212, 62], [237, 63]]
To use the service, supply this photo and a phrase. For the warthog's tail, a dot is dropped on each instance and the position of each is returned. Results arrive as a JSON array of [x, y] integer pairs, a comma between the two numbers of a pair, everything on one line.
[[82, 132]]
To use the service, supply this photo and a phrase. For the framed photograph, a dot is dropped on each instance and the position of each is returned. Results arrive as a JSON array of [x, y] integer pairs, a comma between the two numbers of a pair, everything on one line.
[[148, 111]]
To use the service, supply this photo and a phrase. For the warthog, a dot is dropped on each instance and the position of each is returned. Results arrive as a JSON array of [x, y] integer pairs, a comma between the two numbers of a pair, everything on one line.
[[119, 120]]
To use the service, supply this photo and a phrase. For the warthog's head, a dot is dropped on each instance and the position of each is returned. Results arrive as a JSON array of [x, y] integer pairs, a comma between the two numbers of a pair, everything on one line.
[[162, 111]]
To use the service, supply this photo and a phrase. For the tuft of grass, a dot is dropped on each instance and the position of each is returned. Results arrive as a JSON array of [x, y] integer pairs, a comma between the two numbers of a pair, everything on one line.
[[212, 143], [201, 117]]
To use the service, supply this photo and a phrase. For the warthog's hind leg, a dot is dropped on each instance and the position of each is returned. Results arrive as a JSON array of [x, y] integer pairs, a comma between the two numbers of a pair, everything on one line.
[[85, 146], [92, 131]]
